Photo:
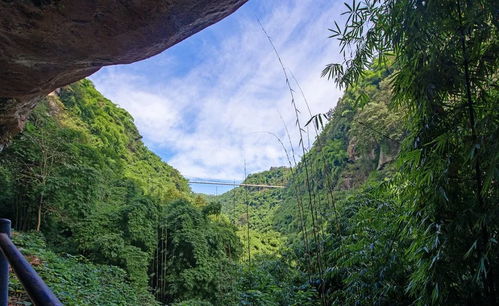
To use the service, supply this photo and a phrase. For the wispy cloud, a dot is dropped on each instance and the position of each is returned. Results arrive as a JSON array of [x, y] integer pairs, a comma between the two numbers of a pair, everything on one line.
[[205, 115]]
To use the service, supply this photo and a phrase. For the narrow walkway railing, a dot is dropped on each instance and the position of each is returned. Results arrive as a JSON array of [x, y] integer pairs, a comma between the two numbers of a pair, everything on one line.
[[36, 288]]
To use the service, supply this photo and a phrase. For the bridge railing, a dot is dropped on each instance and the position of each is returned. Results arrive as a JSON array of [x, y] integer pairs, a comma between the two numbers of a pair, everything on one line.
[[38, 291]]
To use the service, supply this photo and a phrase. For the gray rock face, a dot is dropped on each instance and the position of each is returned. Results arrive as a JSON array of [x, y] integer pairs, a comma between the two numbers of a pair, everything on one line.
[[46, 44]]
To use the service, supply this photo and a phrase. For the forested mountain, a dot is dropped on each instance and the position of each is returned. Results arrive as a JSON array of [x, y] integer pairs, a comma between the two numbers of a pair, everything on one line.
[[394, 203], [80, 175], [348, 223], [315, 226]]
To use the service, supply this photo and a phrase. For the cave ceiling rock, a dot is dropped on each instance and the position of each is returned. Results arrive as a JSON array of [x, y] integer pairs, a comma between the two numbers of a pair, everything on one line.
[[47, 44]]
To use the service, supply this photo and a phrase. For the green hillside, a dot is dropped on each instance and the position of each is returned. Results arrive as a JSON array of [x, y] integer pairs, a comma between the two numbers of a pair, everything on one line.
[[102, 195], [327, 196], [394, 203], [81, 175], [253, 209], [391, 205], [90, 202]]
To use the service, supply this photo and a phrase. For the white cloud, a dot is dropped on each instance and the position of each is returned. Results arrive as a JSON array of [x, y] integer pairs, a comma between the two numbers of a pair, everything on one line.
[[206, 121]]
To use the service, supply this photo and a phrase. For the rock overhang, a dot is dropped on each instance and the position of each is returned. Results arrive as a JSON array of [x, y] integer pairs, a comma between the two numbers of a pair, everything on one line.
[[46, 44]]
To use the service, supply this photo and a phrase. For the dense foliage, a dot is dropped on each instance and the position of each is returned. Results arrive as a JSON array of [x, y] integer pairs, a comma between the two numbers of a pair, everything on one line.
[[446, 77], [394, 204], [251, 209], [353, 153], [199, 255], [80, 175], [74, 279]]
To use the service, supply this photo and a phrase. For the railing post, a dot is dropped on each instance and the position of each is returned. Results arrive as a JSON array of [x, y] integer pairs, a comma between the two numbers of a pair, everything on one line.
[[4, 266]]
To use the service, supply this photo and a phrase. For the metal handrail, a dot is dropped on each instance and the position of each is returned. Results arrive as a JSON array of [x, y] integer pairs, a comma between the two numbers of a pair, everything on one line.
[[38, 291]]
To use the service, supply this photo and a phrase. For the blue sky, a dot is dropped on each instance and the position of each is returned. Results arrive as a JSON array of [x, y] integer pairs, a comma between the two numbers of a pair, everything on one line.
[[205, 104]]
